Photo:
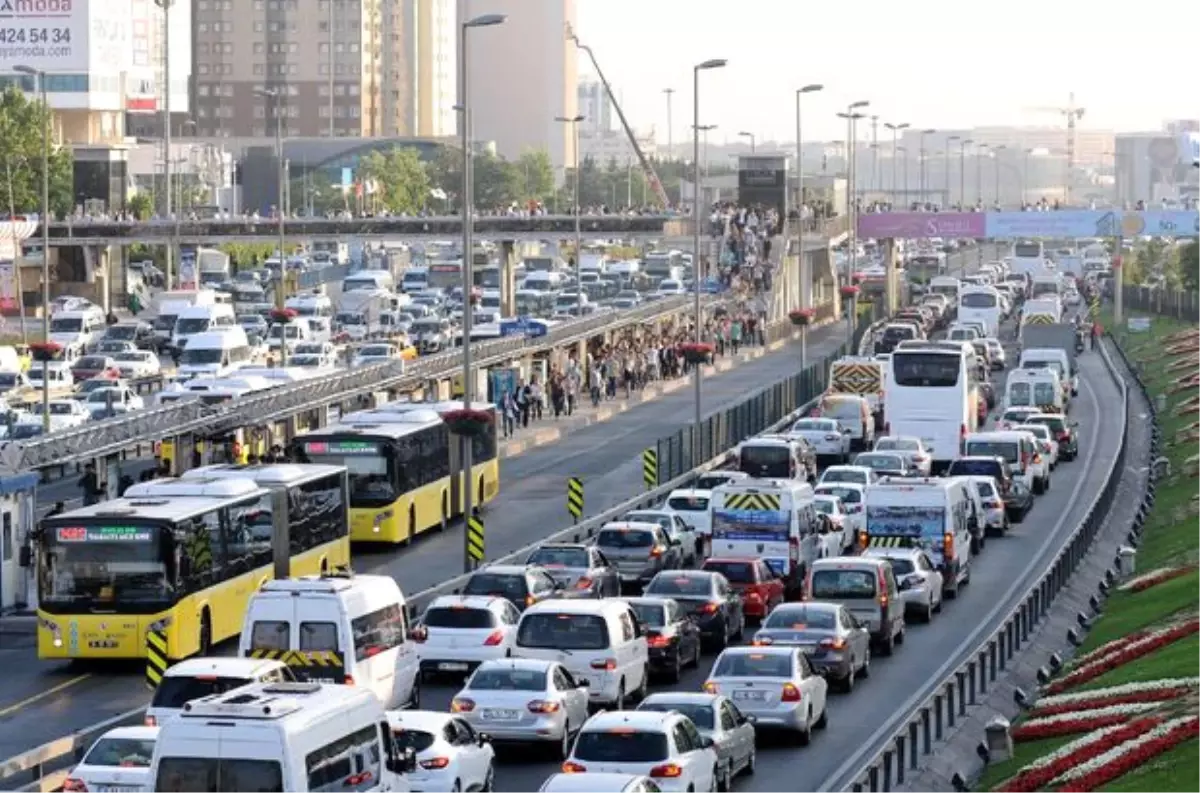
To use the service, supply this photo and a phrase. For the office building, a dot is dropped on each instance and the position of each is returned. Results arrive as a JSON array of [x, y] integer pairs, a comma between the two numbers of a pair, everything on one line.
[[596, 107], [1157, 166], [523, 75]]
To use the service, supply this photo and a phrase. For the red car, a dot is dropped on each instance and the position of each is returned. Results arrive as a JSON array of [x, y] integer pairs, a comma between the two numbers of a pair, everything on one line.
[[761, 590]]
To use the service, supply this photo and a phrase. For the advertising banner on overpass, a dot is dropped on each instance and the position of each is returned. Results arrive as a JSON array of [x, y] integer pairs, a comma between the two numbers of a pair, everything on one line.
[[1066, 224]]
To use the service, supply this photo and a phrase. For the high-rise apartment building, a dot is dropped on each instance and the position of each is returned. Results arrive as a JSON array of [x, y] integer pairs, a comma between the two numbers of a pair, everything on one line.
[[596, 107], [523, 75]]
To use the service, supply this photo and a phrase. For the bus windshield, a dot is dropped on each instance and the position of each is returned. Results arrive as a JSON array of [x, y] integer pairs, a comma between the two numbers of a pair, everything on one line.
[[102, 562], [371, 483], [1027, 250], [926, 369]]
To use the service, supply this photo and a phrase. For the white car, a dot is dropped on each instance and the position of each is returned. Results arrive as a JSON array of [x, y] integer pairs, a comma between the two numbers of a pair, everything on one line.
[[675, 527], [106, 402], [1046, 441], [775, 686], [67, 414], [137, 363], [598, 783], [324, 349], [995, 517], [1072, 298], [855, 474], [666, 747], [671, 288], [854, 498], [451, 755], [996, 353], [912, 449], [118, 760], [826, 437], [917, 577], [370, 354], [525, 700], [840, 538], [691, 505], [459, 632]]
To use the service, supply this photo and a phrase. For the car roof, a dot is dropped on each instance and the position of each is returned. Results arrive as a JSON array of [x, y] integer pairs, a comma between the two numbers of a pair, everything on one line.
[[223, 667], [634, 719], [523, 664], [466, 601], [856, 468], [887, 553], [683, 697], [136, 732], [589, 782], [819, 605], [425, 720], [562, 546], [629, 524], [744, 649], [732, 559]]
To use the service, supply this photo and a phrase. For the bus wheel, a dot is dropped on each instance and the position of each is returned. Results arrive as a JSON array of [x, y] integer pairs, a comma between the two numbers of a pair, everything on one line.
[[324, 566], [412, 525], [479, 497], [445, 512], [205, 633]]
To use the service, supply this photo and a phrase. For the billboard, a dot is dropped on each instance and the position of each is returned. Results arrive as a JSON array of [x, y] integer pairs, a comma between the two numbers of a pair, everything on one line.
[[48, 35], [920, 225], [763, 180], [1066, 224]]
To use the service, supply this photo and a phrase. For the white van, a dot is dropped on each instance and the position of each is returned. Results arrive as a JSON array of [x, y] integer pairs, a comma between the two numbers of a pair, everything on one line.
[[600, 642], [202, 319], [194, 678], [1038, 388], [75, 330], [368, 280], [280, 736], [58, 374], [773, 457], [543, 281], [773, 520], [1055, 359], [1019, 449], [341, 629], [930, 513], [415, 280], [314, 304], [294, 332], [215, 353]]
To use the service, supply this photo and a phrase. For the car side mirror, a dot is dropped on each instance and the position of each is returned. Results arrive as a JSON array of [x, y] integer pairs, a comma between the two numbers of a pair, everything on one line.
[[845, 430], [676, 541], [707, 742], [406, 763], [905, 584], [418, 634], [583, 683], [559, 585], [483, 739]]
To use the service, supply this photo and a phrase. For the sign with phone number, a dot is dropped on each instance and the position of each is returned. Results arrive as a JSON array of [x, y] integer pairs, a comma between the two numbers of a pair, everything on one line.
[[35, 35], [60, 37]]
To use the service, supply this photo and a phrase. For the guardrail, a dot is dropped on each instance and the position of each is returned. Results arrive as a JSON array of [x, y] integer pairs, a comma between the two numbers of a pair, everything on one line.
[[1177, 303], [945, 701]]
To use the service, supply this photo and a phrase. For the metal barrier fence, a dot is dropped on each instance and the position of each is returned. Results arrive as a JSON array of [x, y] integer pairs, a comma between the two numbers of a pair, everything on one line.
[[884, 764], [1177, 303]]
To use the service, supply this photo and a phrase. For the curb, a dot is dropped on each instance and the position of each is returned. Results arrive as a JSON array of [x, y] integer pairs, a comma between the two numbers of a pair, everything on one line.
[[18, 625]]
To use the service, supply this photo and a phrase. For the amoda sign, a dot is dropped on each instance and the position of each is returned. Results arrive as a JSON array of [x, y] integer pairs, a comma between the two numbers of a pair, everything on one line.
[[35, 7]]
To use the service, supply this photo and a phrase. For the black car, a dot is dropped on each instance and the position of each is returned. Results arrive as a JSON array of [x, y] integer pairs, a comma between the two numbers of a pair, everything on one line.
[[521, 585], [1063, 432], [671, 635], [708, 598], [1018, 499], [892, 336]]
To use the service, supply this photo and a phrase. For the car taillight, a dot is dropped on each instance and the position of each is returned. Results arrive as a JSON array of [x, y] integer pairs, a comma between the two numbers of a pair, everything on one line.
[[1025, 460], [881, 582], [711, 688], [75, 786], [605, 664], [348, 680], [529, 600], [762, 641], [657, 551], [573, 768], [862, 540], [462, 705], [434, 763], [494, 639], [1064, 436], [948, 545], [1045, 446], [710, 608], [834, 644], [666, 771], [962, 438], [1037, 458], [790, 693], [150, 721], [542, 706], [992, 504], [657, 640], [920, 458], [583, 583]]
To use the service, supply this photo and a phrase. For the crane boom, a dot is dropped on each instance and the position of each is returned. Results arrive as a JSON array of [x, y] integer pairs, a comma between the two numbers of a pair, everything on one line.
[[647, 167]]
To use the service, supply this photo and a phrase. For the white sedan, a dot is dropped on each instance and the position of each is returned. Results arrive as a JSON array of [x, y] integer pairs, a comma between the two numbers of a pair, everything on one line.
[[775, 686], [912, 449], [370, 354], [137, 363], [451, 756], [1046, 441], [827, 438], [115, 401], [118, 760]]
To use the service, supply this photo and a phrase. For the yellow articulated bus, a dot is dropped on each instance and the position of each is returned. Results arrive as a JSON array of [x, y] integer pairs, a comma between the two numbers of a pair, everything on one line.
[[405, 467], [182, 556]]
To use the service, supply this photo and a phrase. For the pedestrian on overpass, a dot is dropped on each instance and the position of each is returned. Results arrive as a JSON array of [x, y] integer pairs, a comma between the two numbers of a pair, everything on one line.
[[89, 483]]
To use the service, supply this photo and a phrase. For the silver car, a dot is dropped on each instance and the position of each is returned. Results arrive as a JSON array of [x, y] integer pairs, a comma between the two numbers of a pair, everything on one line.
[[917, 577], [675, 527], [639, 550], [524, 700], [911, 448], [582, 569], [716, 717], [836, 644], [775, 686], [826, 436]]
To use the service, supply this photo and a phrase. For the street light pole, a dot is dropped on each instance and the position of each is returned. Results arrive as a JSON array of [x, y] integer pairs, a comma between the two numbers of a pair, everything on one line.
[[753, 143], [670, 92], [804, 274], [979, 155], [924, 183], [165, 5], [1025, 177], [996, 163], [467, 201], [697, 273], [962, 172], [574, 122], [852, 118], [946, 167], [896, 128], [45, 210], [276, 97]]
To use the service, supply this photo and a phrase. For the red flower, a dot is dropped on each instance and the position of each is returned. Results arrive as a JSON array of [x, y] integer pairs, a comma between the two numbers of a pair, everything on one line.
[[467, 416], [1119, 766], [1036, 732], [849, 290], [698, 348], [1105, 702], [856, 278], [283, 314], [1035, 778], [45, 350], [801, 312], [1164, 576], [1122, 657]]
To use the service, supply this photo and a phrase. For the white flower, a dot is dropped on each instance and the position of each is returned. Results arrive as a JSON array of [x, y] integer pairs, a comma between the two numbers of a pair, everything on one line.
[[1128, 709], [1146, 577], [1117, 691], [1103, 759], [1145, 641], [1072, 747]]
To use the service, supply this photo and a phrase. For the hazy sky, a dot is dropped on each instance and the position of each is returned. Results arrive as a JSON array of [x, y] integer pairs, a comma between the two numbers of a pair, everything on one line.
[[933, 63]]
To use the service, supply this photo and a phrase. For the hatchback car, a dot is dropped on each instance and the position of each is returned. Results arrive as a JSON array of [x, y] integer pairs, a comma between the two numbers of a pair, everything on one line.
[[708, 598], [599, 783], [459, 632], [913, 449], [716, 717], [1015, 495], [776, 686], [1063, 431], [667, 747], [675, 527], [760, 588], [451, 755], [639, 550], [521, 585], [672, 636], [837, 645], [917, 577], [827, 437], [885, 463], [583, 570]]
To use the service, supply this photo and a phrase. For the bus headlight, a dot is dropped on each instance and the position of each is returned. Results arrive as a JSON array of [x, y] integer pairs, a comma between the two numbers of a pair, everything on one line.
[[55, 631]]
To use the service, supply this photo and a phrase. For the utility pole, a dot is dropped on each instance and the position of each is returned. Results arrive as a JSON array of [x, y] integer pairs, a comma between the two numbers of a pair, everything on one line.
[[874, 154]]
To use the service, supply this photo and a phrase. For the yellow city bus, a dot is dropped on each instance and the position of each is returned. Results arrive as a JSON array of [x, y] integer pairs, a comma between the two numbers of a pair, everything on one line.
[[182, 556], [405, 468]]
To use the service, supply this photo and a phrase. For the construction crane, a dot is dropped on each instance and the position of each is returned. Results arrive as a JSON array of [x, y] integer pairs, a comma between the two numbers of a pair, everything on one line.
[[647, 167], [1073, 113]]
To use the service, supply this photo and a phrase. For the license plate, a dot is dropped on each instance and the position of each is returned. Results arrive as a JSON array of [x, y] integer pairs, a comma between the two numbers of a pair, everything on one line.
[[501, 714], [117, 788], [452, 667], [750, 696]]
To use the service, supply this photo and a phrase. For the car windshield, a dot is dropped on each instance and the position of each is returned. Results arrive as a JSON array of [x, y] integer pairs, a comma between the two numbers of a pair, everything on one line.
[[458, 617], [843, 475], [1042, 433], [91, 362], [620, 745], [563, 632], [901, 566], [897, 445], [120, 753], [498, 584], [710, 481], [814, 425], [512, 679], [688, 503], [825, 506], [559, 557], [66, 325], [986, 489], [417, 740], [62, 408], [797, 617], [848, 495], [652, 615], [130, 356], [974, 468], [743, 664], [735, 572], [1055, 423], [926, 369], [841, 409], [1007, 450], [103, 395], [175, 692], [680, 585], [625, 538], [700, 714], [843, 585], [375, 351], [879, 462], [212, 774]]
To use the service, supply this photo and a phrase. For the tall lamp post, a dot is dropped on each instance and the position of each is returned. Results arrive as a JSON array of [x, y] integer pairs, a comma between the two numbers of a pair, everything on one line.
[[45, 210], [962, 171], [753, 140], [468, 245], [946, 167], [276, 97], [996, 163], [980, 153], [669, 93], [697, 273], [925, 133], [1025, 176], [804, 275], [896, 130], [852, 118], [574, 122], [706, 128]]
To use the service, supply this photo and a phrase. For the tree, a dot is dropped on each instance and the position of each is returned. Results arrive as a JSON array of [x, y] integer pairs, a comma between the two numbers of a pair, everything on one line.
[[140, 205], [402, 182], [316, 191], [1189, 266], [498, 182], [536, 173], [21, 123]]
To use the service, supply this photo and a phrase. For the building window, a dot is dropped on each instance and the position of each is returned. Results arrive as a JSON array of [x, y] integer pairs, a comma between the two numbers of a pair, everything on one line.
[[260, 112], [258, 69], [202, 68], [323, 91], [202, 27], [323, 47], [323, 111], [202, 90], [323, 68], [258, 27], [259, 48]]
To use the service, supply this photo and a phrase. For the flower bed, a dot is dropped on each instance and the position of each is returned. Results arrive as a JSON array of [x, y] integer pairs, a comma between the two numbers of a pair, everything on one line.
[[1149, 691], [850, 291], [1154, 578], [1035, 775], [283, 315], [801, 316], [695, 353], [1105, 649], [45, 351], [1107, 766], [1123, 655], [1079, 721]]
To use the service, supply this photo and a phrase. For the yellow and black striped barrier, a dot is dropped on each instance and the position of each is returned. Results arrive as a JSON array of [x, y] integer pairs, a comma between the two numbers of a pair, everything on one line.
[[299, 657], [156, 658], [889, 542], [575, 497], [752, 502], [475, 545], [650, 468]]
